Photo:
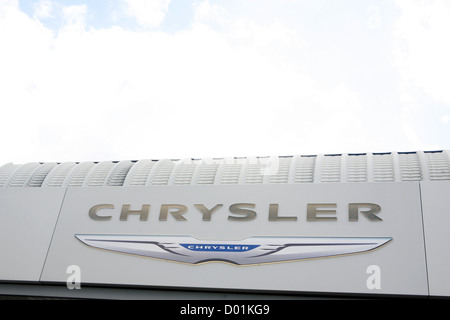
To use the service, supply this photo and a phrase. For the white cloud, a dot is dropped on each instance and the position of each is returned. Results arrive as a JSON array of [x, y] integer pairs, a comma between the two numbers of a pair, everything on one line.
[[148, 13], [43, 9], [421, 52], [120, 94], [422, 46], [75, 16], [210, 13]]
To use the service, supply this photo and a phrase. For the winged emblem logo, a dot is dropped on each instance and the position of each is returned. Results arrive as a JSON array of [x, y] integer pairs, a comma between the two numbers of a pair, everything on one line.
[[250, 251]]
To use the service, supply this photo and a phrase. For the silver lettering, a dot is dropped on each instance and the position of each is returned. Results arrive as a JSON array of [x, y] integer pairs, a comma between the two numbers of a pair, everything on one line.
[[93, 212], [313, 212], [206, 212], [247, 215], [143, 213], [273, 214], [353, 210], [177, 214], [241, 212]]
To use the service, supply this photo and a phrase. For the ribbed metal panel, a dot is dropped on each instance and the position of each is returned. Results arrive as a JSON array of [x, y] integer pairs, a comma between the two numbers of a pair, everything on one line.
[[410, 169], [383, 167], [6, 171], [183, 173], [77, 175], [39, 174], [253, 170], [19, 176], [357, 168], [278, 170], [56, 177], [117, 175], [329, 168], [304, 169], [98, 173], [438, 165], [139, 173], [207, 172], [161, 173], [230, 172]]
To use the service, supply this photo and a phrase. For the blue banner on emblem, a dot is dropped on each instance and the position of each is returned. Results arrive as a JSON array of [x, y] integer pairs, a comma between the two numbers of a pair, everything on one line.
[[219, 247]]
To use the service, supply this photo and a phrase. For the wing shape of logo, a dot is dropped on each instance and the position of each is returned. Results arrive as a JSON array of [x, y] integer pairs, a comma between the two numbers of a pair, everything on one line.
[[253, 250]]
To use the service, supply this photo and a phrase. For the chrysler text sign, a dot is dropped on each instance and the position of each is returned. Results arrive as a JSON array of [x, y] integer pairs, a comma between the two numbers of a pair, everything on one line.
[[310, 238]]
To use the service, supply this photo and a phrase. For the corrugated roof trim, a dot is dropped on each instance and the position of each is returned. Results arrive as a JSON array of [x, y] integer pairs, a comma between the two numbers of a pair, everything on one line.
[[297, 169]]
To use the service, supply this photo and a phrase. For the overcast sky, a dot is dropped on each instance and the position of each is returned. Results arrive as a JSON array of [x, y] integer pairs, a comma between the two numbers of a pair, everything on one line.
[[135, 79]]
